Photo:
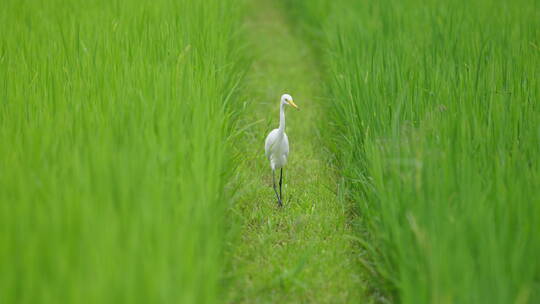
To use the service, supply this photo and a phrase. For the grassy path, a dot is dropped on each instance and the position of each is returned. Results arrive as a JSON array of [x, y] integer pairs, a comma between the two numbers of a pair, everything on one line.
[[301, 252]]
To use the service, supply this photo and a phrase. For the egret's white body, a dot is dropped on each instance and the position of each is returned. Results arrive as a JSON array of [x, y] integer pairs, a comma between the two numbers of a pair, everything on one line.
[[276, 146], [277, 149]]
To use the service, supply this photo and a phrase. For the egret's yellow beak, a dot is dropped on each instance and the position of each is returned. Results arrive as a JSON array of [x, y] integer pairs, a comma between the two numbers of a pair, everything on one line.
[[293, 104]]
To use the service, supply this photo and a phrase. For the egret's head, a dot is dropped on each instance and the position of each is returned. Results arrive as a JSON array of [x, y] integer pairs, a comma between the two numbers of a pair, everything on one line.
[[287, 99]]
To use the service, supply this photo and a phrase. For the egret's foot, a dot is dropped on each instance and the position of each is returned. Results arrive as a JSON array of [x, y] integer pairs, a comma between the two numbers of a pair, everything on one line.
[[280, 204]]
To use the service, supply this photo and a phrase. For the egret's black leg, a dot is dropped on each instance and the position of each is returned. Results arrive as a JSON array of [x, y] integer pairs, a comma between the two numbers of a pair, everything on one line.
[[280, 181], [274, 184]]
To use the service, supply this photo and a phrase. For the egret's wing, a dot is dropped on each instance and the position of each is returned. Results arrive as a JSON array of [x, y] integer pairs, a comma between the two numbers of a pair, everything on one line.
[[267, 147], [286, 145], [270, 139]]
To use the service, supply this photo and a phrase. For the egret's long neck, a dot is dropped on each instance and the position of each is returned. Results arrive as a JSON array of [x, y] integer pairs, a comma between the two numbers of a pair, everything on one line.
[[282, 119]]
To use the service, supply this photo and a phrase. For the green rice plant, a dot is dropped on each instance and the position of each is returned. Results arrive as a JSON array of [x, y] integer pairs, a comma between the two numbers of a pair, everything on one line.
[[114, 120], [434, 117]]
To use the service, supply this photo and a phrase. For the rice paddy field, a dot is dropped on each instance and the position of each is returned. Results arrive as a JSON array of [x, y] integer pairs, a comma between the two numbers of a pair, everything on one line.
[[132, 164]]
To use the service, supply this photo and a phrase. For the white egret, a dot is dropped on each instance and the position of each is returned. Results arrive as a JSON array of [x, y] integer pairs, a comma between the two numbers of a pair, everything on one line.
[[276, 146]]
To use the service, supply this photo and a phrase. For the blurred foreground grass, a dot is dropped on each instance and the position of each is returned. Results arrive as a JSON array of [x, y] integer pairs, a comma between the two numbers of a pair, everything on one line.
[[114, 119]]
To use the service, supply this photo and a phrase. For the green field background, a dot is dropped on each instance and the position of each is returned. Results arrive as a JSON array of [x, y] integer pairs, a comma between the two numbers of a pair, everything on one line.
[[433, 113]]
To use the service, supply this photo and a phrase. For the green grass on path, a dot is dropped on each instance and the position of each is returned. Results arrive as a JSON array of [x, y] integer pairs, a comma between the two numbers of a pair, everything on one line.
[[301, 252]]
